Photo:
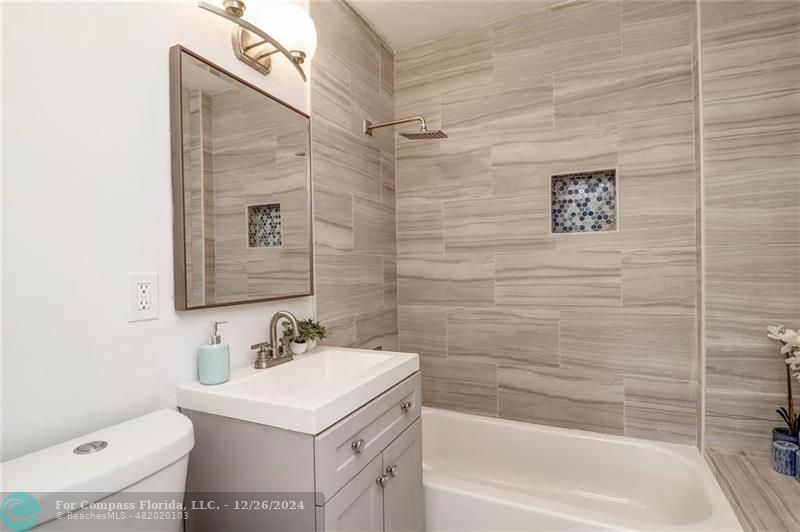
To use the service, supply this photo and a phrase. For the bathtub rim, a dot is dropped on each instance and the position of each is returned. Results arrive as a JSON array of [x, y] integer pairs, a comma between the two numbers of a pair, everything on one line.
[[721, 517]]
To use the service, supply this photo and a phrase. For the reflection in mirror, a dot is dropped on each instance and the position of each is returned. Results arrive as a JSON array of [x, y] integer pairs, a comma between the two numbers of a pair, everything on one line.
[[244, 186]]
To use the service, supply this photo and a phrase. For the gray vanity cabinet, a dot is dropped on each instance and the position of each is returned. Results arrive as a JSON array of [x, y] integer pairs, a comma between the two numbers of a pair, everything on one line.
[[385, 496], [363, 473], [356, 507], [402, 496]]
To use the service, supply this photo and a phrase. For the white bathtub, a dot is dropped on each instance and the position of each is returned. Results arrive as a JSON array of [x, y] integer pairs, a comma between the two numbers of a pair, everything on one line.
[[495, 475]]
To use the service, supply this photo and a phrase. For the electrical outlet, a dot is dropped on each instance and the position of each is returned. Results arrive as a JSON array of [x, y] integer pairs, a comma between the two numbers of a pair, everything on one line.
[[142, 296]]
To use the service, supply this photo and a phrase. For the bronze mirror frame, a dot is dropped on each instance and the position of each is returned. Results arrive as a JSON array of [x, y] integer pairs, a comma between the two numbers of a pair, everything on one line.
[[178, 211]]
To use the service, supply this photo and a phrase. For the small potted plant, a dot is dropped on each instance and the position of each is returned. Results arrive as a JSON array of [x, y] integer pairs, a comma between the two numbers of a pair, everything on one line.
[[791, 353], [310, 333]]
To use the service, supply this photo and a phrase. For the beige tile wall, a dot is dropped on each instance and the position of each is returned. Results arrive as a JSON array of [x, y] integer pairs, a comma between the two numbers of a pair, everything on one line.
[[194, 135], [592, 331], [253, 138], [352, 79], [751, 111]]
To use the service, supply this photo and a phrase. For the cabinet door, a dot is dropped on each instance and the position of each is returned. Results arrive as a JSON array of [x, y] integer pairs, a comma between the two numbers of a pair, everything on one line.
[[402, 497], [358, 506]]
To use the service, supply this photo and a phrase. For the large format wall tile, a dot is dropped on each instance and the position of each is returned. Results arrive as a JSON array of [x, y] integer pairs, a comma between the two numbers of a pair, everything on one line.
[[629, 342], [482, 115], [660, 280], [661, 409], [377, 330], [342, 330], [352, 79], [457, 61], [640, 87], [559, 279], [554, 38], [756, 281], [482, 282], [348, 38], [503, 336], [753, 207], [464, 386], [446, 280], [751, 112], [345, 162], [420, 226], [374, 227], [498, 224], [572, 399], [333, 220], [423, 330], [427, 175], [739, 356], [388, 178], [752, 121], [330, 98], [348, 284], [525, 166], [655, 25], [389, 281], [741, 420]]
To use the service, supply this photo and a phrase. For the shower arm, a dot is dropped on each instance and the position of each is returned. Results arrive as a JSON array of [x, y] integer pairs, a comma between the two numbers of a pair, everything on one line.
[[369, 126]]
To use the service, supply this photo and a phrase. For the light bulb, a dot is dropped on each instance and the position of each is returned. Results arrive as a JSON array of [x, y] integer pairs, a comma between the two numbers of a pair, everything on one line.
[[288, 24]]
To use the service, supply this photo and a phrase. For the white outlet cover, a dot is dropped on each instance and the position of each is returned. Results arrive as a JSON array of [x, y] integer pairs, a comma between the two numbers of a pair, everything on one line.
[[142, 296]]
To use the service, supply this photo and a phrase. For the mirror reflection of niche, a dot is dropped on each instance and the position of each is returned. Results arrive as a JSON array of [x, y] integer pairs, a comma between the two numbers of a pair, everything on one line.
[[241, 150]]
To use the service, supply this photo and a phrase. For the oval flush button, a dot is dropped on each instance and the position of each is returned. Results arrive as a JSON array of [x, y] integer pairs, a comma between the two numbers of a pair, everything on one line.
[[90, 447]]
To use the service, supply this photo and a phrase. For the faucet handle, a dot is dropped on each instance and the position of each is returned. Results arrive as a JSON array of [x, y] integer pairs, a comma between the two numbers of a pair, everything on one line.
[[283, 346], [261, 346]]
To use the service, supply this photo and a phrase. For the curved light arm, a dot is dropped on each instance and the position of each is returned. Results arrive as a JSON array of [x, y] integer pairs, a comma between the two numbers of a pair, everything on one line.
[[255, 30]]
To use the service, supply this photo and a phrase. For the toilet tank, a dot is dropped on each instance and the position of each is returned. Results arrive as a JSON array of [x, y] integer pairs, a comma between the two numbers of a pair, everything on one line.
[[147, 455]]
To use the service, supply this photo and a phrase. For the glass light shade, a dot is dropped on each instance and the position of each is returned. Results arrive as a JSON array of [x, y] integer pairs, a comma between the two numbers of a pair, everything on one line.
[[289, 24]]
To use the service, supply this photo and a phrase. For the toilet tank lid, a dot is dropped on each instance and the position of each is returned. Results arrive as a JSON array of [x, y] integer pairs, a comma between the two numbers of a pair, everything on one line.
[[136, 449]]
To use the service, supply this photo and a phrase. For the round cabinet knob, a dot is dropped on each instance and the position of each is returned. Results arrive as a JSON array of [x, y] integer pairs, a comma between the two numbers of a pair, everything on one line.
[[382, 481], [358, 445], [405, 406], [392, 470]]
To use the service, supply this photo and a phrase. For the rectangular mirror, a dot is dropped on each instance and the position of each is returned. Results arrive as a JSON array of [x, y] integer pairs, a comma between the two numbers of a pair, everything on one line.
[[241, 189]]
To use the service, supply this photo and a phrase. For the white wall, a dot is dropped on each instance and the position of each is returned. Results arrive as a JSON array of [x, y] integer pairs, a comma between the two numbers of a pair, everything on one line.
[[86, 182]]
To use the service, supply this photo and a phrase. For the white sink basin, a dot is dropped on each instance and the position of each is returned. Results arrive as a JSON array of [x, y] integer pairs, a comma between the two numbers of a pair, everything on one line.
[[307, 394]]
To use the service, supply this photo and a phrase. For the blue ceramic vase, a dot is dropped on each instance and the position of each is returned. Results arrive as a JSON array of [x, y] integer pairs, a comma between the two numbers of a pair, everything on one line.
[[782, 434], [784, 457], [797, 469]]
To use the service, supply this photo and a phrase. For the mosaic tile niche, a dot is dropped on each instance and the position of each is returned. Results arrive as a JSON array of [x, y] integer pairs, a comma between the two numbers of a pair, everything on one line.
[[264, 226], [585, 202]]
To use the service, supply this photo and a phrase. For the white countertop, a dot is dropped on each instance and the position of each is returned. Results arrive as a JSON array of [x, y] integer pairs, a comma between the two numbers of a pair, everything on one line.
[[307, 394]]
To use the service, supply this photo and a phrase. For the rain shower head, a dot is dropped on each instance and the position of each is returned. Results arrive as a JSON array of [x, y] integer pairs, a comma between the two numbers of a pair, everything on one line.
[[423, 134]]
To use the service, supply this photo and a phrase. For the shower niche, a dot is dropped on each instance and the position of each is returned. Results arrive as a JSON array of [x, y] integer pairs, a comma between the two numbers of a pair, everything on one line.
[[584, 202]]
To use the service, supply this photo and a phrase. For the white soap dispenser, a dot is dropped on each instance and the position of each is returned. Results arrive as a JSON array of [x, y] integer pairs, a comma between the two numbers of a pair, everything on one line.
[[214, 358]]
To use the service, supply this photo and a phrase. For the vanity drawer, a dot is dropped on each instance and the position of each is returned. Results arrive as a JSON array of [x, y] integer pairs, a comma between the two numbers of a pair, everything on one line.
[[345, 448]]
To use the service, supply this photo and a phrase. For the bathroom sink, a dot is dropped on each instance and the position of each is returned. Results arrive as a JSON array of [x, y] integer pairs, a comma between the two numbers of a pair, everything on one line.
[[308, 394]]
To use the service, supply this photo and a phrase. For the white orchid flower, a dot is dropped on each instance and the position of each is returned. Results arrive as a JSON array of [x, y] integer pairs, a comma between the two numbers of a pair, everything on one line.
[[794, 363], [775, 332], [791, 340]]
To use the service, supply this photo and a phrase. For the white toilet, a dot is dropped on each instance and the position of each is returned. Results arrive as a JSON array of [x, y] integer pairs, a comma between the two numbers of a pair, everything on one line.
[[147, 455]]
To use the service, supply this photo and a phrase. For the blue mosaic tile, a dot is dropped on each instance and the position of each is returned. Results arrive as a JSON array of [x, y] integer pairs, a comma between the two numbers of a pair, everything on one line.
[[584, 202], [264, 226]]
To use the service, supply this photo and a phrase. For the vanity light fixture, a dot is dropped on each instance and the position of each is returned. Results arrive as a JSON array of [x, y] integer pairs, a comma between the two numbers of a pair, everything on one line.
[[268, 30]]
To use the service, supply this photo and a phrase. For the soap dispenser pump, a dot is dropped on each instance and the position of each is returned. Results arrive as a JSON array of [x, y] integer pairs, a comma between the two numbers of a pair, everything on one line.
[[214, 359]]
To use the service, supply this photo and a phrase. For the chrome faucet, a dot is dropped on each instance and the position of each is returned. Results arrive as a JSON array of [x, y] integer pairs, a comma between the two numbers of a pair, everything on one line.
[[276, 351]]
